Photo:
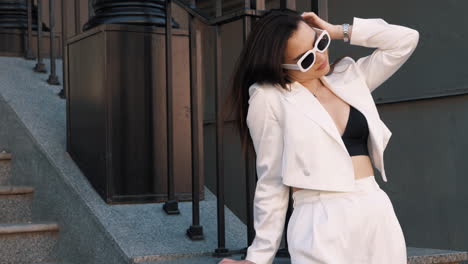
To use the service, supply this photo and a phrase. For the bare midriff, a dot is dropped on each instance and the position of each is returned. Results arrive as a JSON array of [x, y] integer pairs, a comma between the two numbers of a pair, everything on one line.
[[362, 168]]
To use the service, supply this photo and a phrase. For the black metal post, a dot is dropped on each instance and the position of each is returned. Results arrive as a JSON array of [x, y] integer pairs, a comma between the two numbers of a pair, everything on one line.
[[62, 93], [314, 6], [40, 66], [77, 17], [29, 54], [53, 79], [291, 4], [221, 250], [195, 231], [249, 159], [171, 205], [323, 9]]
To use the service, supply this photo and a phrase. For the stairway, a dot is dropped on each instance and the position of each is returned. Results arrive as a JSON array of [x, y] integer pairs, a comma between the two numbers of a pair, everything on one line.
[[415, 256], [22, 240]]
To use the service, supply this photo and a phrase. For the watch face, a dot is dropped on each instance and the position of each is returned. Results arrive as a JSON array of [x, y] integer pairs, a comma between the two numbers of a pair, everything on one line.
[[345, 32]]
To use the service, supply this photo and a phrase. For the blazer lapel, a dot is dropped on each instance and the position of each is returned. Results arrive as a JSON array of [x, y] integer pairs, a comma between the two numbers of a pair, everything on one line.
[[305, 102]]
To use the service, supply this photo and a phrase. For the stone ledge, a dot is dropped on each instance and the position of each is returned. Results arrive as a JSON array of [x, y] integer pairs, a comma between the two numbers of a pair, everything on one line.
[[432, 255], [5, 155], [9, 190], [415, 256], [27, 228]]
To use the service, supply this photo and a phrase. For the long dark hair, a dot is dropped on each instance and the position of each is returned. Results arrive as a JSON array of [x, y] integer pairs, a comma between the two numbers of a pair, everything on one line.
[[260, 62]]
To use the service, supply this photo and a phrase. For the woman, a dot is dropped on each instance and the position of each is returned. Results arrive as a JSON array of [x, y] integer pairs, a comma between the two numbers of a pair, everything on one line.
[[315, 128]]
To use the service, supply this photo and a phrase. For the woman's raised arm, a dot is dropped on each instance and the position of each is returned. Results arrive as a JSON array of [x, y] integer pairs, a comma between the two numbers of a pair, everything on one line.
[[394, 44]]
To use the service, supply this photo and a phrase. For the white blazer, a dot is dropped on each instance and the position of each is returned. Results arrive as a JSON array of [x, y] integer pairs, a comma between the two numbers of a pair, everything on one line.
[[297, 142]]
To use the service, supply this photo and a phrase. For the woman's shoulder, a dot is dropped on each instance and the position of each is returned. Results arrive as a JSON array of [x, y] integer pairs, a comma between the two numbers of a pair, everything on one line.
[[269, 91], [345, 70], [267, 94], [343, 65]]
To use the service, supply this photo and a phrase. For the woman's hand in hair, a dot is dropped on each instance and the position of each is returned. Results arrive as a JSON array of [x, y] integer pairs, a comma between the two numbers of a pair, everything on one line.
[[233, 261], [315, 21]]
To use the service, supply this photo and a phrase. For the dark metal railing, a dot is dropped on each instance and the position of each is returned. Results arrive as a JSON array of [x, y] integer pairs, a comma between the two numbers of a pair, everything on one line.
[[53, 79], [40, 67], [29, 54], [249, 162], [252, 9], [195, 231], [221, 250], [61, 94], [171, 205]]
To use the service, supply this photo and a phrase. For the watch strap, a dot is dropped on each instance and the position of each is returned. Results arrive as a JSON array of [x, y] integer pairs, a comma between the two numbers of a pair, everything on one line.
[[345, 32]]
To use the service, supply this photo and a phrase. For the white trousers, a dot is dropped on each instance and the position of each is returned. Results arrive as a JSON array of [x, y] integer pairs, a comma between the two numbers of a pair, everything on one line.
[[345, 227]]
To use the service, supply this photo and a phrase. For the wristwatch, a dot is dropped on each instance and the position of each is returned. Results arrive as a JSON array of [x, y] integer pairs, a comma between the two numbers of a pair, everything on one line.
[[345, 32]]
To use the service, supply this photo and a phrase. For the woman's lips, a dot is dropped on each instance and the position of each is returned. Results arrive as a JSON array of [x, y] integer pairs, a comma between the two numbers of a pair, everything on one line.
[[322, 65]]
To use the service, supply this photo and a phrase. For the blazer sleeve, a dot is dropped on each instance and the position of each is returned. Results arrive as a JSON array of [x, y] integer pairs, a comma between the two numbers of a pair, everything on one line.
[[394, 45], [271, 196]]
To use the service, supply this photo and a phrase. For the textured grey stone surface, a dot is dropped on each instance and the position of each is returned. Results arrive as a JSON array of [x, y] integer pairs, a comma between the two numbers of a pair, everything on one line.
[[137, 230], [82, 238], [51, 262], [16, 228], [5, 171], [15, 208], [415, 256], [429, 255], [15, 189], [210, 260], [22, 248]]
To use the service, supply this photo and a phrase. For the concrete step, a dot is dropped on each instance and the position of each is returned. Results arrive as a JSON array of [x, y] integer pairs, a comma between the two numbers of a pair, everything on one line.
[[25, 243], [52, 262], [5, 167], [15, 204], [415, 256], [433, 255], [206, 259]]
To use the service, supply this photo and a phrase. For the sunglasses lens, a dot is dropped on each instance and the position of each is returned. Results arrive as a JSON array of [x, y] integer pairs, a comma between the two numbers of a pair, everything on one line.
[[307, 61], [322, 44]]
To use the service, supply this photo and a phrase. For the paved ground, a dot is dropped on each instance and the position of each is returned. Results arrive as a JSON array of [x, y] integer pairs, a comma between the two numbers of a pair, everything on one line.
[[140, 229]]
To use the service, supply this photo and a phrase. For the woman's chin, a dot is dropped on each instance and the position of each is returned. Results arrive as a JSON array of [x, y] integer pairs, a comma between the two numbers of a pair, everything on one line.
[[325, 70]]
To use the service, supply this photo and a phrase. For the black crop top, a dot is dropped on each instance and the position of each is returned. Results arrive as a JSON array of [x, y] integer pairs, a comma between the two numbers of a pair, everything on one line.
[[356, 133]]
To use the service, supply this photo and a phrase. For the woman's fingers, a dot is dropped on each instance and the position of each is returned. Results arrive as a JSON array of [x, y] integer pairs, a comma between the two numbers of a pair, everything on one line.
[[308, 14], [228, 261], [313, 20], [233, 261]]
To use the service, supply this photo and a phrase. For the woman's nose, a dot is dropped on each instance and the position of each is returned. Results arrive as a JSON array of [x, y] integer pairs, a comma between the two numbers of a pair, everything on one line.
[[321, 57]]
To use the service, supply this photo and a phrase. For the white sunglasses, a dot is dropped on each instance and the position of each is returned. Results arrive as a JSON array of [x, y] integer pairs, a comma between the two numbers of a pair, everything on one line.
[[308, 59]]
